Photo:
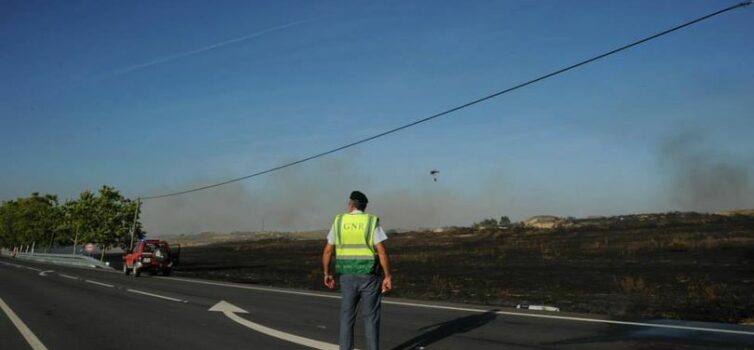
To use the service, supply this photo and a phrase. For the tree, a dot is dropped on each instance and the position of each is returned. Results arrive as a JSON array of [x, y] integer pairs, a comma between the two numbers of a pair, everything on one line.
[[8, 219], [115, 215], [80, 219], [486, 223], [104, 218], [36, 218], [504, 220]]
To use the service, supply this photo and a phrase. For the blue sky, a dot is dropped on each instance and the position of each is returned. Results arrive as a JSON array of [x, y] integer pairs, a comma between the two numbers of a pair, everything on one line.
[[151, 97]]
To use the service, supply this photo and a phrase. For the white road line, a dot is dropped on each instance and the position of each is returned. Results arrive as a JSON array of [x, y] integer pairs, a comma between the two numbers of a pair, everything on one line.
[[32, 339], [156, 295], [68, 276], [44, 273], [571, 318], [453, 308], [99, 283], [274, 290], [230, 311], [12, 265], [21, 266]]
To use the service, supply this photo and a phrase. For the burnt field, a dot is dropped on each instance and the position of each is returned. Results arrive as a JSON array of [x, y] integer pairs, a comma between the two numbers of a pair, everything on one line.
[[677, 265]]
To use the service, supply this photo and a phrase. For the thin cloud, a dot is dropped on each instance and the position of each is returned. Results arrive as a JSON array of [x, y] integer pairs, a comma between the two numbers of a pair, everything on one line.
[[184, 54]]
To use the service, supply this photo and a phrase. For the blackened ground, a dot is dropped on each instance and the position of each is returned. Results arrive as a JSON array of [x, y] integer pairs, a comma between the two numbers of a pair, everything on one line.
[[678, 266]]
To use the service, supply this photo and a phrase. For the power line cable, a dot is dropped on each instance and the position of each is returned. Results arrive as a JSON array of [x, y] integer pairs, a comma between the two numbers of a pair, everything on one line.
[[457, 108]]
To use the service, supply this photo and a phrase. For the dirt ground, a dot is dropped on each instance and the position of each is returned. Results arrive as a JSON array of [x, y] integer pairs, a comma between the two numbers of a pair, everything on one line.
[[677, 265]]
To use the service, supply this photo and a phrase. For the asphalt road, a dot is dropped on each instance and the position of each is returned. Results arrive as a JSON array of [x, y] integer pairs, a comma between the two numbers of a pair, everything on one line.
[[74, 308]]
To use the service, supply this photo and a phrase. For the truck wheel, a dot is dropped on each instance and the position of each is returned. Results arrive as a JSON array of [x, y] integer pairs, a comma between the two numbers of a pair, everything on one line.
[[126, 270], [137, 272], [166, 272]]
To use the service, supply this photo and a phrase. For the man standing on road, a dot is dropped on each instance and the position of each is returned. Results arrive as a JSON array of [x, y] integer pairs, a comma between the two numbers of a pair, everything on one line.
[[361, 260]]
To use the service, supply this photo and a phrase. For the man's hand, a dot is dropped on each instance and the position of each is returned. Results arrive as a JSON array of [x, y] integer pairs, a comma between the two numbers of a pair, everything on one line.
[[327, 255], [387, 283], [387, 280], [330, 281]]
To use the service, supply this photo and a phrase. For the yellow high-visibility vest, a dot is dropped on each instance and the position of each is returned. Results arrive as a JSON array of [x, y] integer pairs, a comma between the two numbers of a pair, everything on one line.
[[354, 244]]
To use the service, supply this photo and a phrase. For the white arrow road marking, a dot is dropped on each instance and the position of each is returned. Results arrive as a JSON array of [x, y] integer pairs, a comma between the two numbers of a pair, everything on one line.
[[156, 295], [33, 268], [44, 273], [231, 310], [99, 283], [32, 339]]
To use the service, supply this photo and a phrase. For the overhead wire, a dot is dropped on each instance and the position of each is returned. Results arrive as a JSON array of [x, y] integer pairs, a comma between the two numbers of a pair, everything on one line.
[[457, 108]]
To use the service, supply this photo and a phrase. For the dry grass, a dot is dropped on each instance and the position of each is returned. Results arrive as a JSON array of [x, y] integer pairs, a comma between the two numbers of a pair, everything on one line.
[[697, 268], [677, 243], [630, 285], [444, 287], [705, 292], [420, 257]]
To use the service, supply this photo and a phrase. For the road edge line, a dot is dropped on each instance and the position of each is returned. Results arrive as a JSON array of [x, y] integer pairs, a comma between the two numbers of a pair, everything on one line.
[[264, 289], [22, 328], [573, 318]]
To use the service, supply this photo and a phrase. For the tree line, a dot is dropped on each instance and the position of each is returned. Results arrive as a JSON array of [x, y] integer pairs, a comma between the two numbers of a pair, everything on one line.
[[492, 222], [40, 221]]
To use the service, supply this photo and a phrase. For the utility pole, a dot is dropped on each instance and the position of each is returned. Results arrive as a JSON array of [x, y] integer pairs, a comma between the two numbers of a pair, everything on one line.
[[133, 224]]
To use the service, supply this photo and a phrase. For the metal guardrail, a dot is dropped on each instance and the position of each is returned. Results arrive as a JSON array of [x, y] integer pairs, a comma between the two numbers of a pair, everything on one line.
[[62, 259]]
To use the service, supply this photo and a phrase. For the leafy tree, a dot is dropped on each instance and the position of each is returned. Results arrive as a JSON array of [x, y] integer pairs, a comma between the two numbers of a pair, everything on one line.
[[486, 223], [36, 219], [504, 220], [104, 218], [80, 219], [114, 214], [8, 227]]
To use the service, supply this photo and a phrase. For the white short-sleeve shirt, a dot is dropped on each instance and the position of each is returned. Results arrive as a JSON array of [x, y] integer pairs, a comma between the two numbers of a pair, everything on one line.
[[379, 233]]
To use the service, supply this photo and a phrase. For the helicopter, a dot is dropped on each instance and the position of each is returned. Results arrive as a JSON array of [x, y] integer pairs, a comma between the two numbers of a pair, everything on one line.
[[434, 174]]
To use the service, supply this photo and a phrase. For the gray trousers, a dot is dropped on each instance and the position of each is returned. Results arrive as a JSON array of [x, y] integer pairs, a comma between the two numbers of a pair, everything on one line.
[[367, 290]]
